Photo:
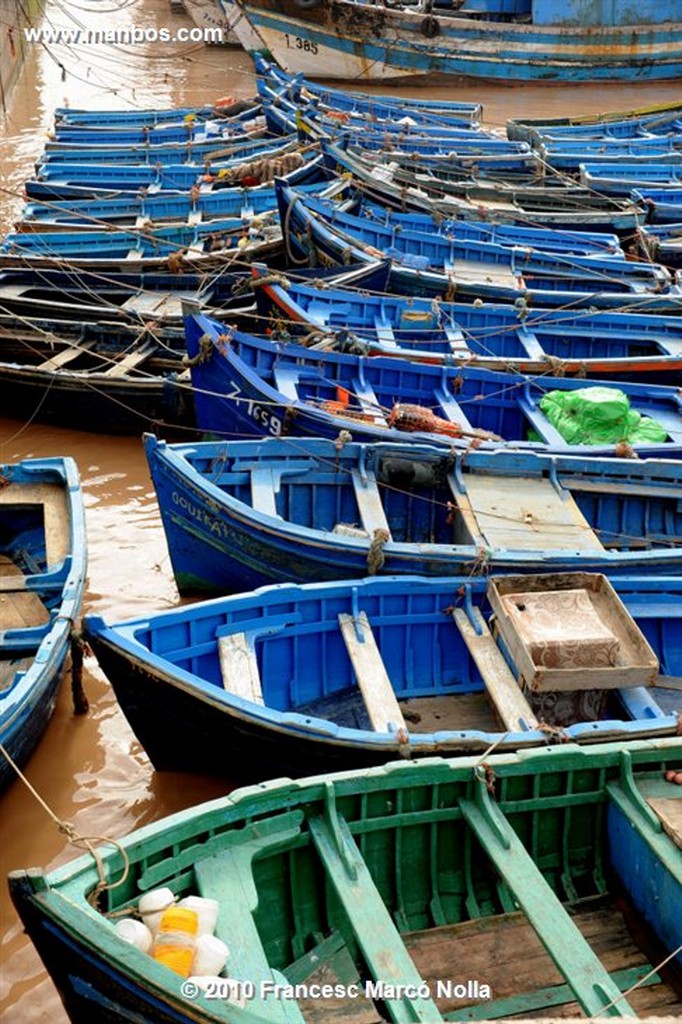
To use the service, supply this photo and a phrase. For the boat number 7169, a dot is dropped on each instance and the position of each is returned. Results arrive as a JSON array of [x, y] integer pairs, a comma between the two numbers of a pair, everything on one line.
[[296, 43]]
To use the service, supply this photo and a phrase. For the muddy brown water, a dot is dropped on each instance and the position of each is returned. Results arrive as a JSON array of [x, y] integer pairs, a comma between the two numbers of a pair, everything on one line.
[[91, 771]]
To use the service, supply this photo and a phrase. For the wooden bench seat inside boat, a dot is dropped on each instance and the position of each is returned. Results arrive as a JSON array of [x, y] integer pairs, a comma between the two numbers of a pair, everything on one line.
[[456, 340], [502, 688], [67, 355], [469, 271], [239, 668], [382, 946], [286, 380], [156, 304], [669, 812], [373, 680], [131, 359], [370, 507], [263, 490], [665, 800], [523, 879], [384, 331], [451, 409], [364, 395]]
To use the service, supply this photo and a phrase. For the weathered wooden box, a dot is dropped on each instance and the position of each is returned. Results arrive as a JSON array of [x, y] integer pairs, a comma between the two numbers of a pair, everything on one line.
[[570, 631]]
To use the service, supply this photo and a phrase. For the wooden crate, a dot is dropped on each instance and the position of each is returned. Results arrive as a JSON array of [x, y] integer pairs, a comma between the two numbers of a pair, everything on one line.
[[570, 631]]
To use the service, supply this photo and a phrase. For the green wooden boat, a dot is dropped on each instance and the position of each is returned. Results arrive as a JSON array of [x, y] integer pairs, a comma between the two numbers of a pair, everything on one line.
[[534, 883]]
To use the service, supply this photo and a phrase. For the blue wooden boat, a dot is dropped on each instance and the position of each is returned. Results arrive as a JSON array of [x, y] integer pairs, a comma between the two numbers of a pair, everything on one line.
[[327, 676], [419, 139], [381, 884], [214, 151], [138, 132], [216, 210], [59, 180], [444, 161], [42, 577], [620, 179], [544, 239], [284, 114], [459, 250], [146, 248], [497, 337], [498, 275], [96, 142], [531, 40], [377, 105], [215, 132], [244, 386], [568, 155], [484, 157], [195, 206], [554, 204], [654, 119], [149, 247], [104, 120], [245, 513], [288, 105], [663, 205]]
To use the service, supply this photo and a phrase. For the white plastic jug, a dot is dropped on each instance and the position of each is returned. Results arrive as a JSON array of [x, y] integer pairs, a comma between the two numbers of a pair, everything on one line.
[[134, 932], [211, 955], [152, 905]]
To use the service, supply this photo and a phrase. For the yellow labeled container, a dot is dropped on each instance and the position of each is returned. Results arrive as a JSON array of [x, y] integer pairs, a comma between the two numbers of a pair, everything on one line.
[[175, 942]]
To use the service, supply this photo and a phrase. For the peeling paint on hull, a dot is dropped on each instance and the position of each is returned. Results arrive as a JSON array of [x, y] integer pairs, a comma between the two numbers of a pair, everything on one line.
[[344, 39]]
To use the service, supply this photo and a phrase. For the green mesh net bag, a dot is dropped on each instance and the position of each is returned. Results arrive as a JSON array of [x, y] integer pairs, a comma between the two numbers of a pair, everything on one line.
[[599, 415]]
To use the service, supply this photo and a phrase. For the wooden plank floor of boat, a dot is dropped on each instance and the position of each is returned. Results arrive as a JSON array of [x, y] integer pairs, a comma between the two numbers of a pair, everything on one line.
[[19, 608], [505, 953], [422, 714]]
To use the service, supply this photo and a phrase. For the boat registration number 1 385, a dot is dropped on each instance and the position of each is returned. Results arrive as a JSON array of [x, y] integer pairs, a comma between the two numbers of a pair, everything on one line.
[[296, 43]]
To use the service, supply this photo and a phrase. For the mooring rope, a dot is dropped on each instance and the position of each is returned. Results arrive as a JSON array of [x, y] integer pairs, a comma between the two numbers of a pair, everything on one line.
[[637, 984], [74, 837]]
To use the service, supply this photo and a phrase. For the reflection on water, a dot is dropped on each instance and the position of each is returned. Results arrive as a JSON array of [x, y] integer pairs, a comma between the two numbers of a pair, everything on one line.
[[91, 771]]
